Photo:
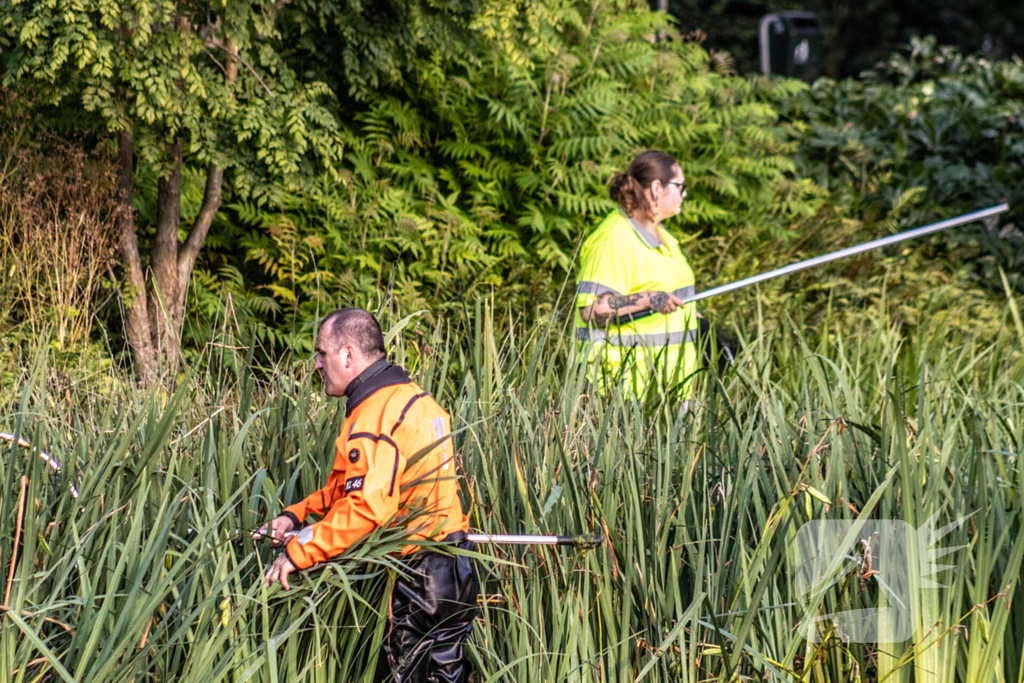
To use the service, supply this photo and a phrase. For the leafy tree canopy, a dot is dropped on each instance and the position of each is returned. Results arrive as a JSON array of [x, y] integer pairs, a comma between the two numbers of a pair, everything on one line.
[[211, 74], [494, 163]]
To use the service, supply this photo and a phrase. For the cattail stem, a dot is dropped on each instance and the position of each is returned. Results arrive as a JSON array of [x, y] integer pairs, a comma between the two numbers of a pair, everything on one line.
[[17, 538]]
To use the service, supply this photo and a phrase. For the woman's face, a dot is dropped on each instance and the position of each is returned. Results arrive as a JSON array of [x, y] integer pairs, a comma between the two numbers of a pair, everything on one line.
[[667, 198]]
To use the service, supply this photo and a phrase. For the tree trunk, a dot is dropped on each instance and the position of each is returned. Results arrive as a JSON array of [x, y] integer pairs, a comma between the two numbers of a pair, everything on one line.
[[164, 315], [137, 328], [156, 309], [172, 261]]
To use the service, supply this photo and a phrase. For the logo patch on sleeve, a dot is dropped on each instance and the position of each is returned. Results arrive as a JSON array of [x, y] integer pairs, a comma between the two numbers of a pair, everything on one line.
[[354, 484], [353, 455]]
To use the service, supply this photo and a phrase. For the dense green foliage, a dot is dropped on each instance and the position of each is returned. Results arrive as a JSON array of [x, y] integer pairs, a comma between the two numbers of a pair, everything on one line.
[[445, 193], [944, 127], [480, 167], [150, 572], [203, 82], [172, 71], [490, 169]]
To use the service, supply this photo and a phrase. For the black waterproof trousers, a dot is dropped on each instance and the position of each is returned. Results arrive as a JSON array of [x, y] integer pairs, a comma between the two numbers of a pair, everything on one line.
[[432, 612]]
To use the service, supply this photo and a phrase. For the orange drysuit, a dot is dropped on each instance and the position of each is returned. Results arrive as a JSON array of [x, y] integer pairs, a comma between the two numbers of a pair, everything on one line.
[[389, 419]]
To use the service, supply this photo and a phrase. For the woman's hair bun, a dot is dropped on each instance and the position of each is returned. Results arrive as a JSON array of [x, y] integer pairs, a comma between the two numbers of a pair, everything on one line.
[[618, 186], [627, 189]]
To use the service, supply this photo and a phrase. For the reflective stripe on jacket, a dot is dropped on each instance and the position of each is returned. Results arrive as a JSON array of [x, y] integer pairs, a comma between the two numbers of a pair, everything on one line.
[[389, 419], [619, 258]]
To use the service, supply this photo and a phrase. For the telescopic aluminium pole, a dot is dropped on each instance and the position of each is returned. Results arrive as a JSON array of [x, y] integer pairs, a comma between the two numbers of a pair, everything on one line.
[[53, 464], [851, 251], [582, 542], [842, 253], [534, 540]]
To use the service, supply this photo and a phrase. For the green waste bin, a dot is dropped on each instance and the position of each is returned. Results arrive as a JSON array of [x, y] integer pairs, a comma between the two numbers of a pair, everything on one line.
[[792, 44]]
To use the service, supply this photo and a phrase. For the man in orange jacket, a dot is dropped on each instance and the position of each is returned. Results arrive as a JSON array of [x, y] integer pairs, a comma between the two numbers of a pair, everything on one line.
[[388, 420]]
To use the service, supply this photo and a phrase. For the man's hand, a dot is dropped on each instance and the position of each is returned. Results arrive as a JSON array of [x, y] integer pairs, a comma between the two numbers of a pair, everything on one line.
[[279, 526], [279, 571]]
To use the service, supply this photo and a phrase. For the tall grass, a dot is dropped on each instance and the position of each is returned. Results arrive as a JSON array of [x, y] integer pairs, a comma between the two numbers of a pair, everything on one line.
[[150, 573]]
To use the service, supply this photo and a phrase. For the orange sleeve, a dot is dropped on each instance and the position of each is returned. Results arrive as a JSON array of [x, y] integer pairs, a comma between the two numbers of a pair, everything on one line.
[[319, 502], [369, 499]]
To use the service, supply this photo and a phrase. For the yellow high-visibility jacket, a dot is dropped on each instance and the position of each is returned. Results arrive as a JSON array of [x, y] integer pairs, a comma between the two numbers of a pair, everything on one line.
[[388, 420], [619, 258]]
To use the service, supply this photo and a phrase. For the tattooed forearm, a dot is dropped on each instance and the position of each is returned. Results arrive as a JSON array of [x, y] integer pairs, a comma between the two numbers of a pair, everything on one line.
[[616, 304], [613, 309]]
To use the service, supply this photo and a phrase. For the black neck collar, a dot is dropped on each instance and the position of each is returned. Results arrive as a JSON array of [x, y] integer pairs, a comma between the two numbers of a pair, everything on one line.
[[379, 375]]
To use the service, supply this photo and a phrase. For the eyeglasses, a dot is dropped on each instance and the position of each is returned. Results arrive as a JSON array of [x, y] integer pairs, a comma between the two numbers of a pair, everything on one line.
[[682, 185]]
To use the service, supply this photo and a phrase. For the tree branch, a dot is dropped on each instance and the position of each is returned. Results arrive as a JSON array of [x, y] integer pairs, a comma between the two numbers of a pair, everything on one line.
[[189, 251], [235, 55]]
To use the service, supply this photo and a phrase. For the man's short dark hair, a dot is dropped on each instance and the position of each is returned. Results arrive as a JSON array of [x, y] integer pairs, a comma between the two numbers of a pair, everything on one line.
[[356, 327]]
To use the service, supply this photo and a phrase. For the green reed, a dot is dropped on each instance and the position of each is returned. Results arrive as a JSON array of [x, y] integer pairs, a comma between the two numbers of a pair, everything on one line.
[[151, 575]]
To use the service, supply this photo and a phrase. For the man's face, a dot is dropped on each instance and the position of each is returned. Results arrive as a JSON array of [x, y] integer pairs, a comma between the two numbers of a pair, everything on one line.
[[337, 365]]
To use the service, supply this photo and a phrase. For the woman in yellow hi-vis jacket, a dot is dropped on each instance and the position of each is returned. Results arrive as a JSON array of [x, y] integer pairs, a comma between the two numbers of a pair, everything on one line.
[[631, 267]]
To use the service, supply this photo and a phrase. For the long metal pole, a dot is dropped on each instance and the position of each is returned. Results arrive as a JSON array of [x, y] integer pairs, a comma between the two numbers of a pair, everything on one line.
[[521, 540], [503, 539], [54, 465], [843, 253]]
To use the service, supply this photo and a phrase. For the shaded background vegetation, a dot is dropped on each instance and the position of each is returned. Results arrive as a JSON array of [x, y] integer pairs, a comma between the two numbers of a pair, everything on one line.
[[473, 145], [859, 34]]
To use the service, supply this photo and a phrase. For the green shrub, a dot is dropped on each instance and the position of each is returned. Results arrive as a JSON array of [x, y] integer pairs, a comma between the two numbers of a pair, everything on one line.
[[488, 171], [945, 126]]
